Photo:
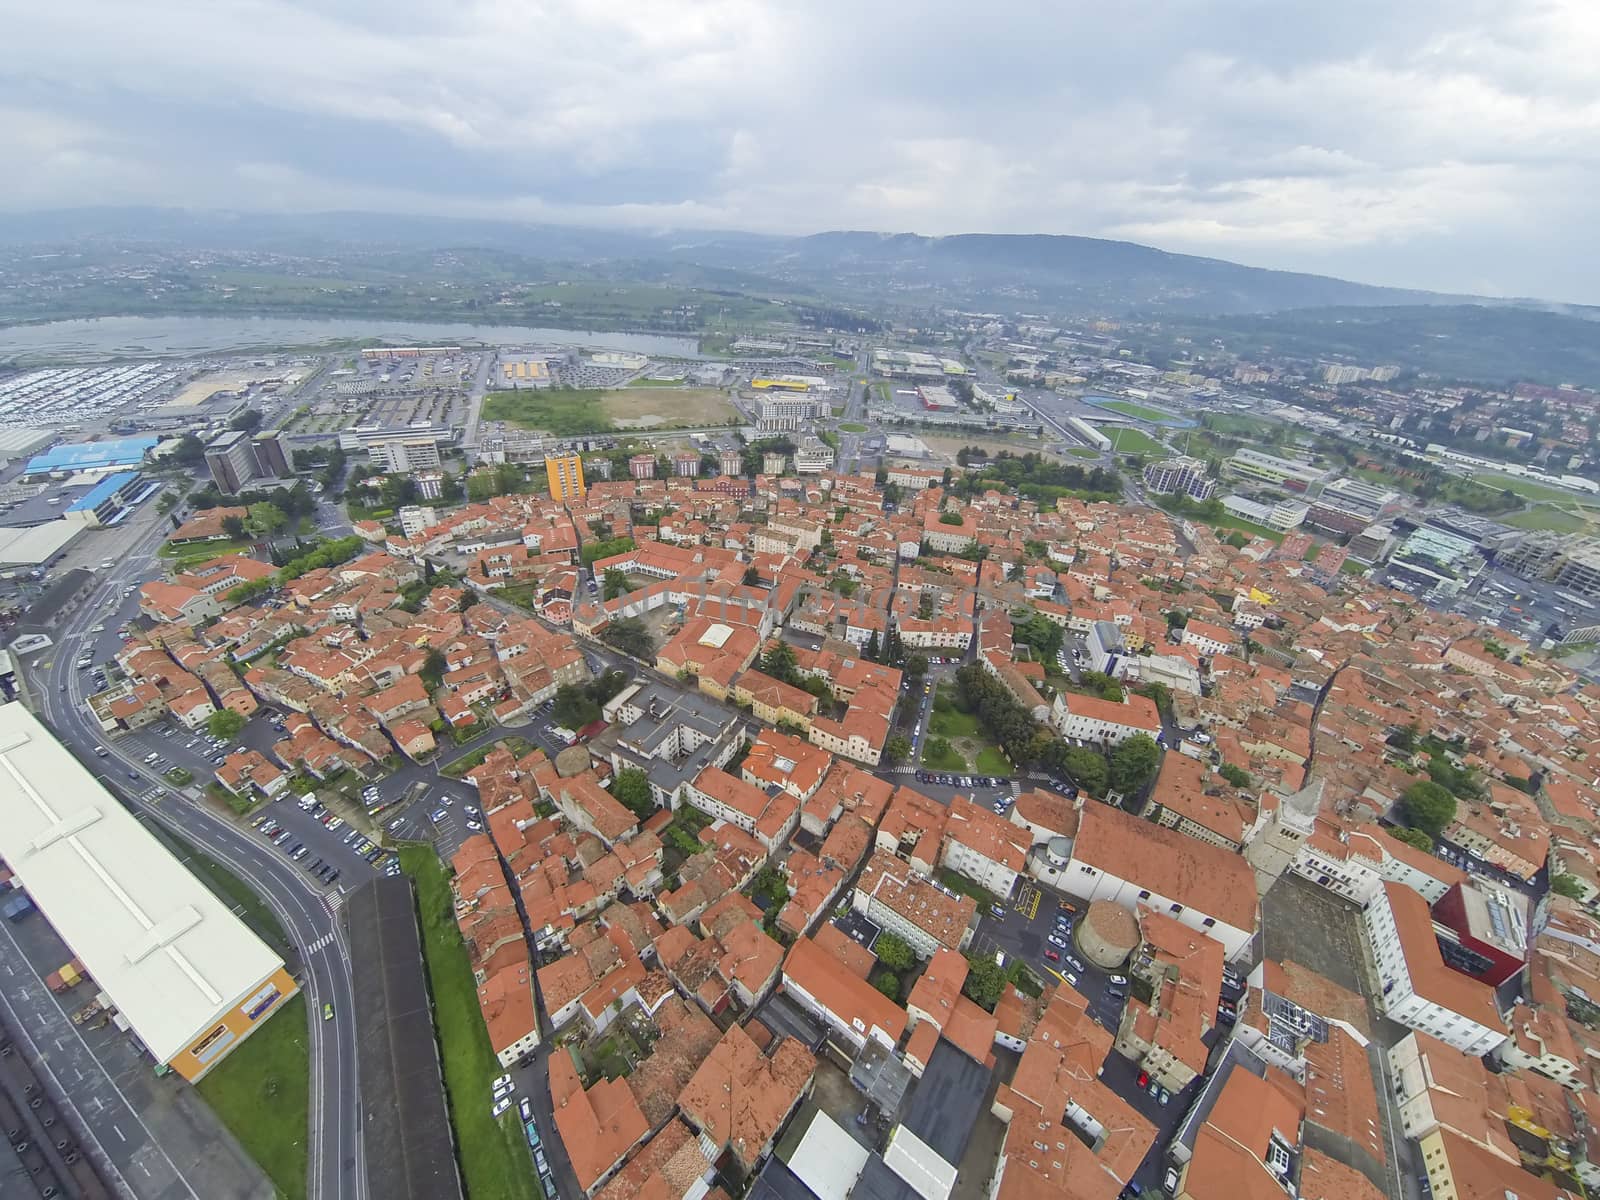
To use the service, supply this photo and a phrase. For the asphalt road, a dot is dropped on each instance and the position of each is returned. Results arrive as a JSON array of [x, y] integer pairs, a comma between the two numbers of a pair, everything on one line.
[[336, 1153]]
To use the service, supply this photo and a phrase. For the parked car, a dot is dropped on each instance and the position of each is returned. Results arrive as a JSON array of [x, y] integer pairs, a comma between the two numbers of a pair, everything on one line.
[[525, 1109], [1052, 955], [500, 1107], [1058, 941], [1169, 1181], [1119, 980]]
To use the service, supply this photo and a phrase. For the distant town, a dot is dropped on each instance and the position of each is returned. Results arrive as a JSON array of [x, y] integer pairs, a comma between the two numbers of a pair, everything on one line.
[[965, 763]]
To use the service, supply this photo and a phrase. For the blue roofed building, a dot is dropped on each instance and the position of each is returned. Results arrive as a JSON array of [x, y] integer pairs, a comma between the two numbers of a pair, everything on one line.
[[108, 455], [110, 500]]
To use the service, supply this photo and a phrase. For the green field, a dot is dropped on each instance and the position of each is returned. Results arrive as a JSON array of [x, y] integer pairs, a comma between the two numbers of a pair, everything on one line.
[[949, 761], [1543, 516], [1243, 526], [852, 427], [493, 1153], [1237, 426], [1082, 452], [1138, 411], [991, 762], [565, 412], [198, 552], [1133, 441], [261, 1093], [1529, 489], [951, 722]]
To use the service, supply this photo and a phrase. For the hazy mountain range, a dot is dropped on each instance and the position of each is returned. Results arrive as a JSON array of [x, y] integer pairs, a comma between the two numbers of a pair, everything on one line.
[[1004, 272]]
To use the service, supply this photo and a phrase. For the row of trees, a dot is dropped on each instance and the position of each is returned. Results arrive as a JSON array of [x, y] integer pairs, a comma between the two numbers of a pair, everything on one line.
[[322, 554], [1126, 768]]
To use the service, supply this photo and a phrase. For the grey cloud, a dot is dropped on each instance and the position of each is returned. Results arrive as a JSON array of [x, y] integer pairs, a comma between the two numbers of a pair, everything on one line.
[[1442, 143]]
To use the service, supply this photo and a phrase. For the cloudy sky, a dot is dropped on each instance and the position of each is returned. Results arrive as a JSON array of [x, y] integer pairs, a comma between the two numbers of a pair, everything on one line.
[[1451, 144]]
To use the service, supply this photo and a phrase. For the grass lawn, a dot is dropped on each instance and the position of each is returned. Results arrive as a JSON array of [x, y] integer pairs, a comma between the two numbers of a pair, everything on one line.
[[1243, 526], [852, 427], [1230, 423], [1353, 566], [948, 761], [962, 886], [952, 722], [560, 411], [1082, 452], [196, 552], [1133, 441], [991, 761], [493, 1153], [262, 1091], [1543, 516], [1139, 411], [1528, 489]]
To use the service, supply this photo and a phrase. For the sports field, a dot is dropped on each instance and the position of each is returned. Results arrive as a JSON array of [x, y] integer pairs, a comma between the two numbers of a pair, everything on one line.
[[568, 411]]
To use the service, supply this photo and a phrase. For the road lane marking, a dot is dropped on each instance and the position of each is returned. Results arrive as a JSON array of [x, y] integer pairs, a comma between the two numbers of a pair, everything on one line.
[[118, 1131]]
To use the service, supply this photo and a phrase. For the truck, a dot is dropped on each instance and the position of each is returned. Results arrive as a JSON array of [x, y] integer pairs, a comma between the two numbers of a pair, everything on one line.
[[66, 977]]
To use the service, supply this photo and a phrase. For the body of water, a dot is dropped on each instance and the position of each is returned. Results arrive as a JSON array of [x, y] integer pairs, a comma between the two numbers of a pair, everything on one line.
[[100, 338]]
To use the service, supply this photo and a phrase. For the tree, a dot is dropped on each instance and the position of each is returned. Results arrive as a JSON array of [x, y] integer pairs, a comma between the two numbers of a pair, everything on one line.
[[950, 518], [985, 981], [574, 708], [894, 952], [874, 646], [266, 519], [779, 662], [248, 421], [225, 723], [233, 526], [1134, 762], [897, 748], [189, 452], [1566, 885], [1157, 691], [936, 749], [631, 788], [888, 983], [434, 666], [1427, 806], [615, 583], [916, 666], [1237, 776], [1414, 837], [752, 577], [631, 636], [1086, 768]]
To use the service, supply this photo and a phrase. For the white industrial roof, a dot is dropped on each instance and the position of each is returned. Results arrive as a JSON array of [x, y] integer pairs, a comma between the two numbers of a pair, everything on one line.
[[35, 544], [166, 951], [911, 1158], [828, 1160]]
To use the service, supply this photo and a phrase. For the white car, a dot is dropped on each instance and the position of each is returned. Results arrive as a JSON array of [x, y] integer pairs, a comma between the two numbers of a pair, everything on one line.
[[500, 1106]]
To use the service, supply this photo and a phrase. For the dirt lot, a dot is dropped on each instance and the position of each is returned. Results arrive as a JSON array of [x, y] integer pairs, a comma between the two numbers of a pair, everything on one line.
[[948, 446], [645, 408]]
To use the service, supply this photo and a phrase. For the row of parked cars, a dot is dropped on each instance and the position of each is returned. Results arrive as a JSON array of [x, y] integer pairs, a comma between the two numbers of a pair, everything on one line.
[[284, 839], [960, 780]]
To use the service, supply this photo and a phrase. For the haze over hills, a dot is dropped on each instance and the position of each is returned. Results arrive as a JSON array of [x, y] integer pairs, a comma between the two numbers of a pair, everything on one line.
[[1047, 272]]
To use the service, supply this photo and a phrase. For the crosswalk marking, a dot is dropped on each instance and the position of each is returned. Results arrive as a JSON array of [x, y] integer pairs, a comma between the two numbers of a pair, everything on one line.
[[320, 944]]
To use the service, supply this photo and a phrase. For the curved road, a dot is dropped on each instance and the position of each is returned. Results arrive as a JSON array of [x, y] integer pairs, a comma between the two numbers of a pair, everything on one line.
[[336, 1169]]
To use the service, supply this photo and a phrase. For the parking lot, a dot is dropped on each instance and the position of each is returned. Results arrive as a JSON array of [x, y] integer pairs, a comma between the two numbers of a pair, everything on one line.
[[1024, 929], [1309, 925]]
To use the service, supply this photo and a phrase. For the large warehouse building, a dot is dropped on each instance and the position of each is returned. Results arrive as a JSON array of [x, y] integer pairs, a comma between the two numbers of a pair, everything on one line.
[[192, 981]]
